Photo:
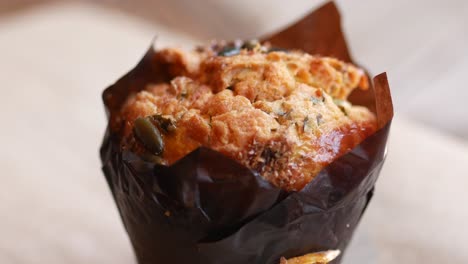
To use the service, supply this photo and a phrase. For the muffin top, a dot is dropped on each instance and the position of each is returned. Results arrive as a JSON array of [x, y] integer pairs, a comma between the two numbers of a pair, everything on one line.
[[281, 113]]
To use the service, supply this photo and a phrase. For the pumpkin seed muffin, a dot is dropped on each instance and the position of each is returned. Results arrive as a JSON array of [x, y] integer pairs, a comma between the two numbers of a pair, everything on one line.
[[281, 113]]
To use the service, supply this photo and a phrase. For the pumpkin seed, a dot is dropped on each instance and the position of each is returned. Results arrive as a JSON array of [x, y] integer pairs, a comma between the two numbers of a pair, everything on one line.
[[229, 51], [148, 134], [319, 119], [343, 105], [250, 44], [316, 100]]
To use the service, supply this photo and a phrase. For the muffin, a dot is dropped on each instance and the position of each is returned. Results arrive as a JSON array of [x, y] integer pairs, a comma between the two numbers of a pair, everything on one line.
[[283, 114], [247, 151]]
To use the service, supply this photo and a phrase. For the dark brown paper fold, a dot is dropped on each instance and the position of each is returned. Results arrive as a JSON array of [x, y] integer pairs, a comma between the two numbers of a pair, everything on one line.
[[207, 208]]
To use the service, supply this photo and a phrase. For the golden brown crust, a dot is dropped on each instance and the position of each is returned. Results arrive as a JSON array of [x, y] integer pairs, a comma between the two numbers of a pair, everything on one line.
[[283, 114], [271, 76]]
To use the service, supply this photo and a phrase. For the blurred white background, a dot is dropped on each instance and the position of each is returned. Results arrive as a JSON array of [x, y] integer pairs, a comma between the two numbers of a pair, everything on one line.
[[57, 56]]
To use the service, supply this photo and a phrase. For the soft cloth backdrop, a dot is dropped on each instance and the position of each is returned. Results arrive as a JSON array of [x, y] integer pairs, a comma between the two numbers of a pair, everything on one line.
[[54, 203]]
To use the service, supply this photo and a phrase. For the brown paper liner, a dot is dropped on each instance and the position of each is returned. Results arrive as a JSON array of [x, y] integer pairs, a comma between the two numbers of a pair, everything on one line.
[[207, 208]]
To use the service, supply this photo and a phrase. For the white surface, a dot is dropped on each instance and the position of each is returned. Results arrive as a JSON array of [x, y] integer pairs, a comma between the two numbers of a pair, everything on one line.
[[419, 212], [55, 206]]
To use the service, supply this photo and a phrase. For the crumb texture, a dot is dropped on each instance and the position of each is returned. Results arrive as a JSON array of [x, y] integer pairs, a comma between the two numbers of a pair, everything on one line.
[[284, 114]]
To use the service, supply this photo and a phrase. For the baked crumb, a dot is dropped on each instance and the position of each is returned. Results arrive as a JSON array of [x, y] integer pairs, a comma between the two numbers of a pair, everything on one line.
[[284, 114]]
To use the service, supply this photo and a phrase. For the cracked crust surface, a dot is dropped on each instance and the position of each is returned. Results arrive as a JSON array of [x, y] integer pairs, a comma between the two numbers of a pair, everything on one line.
[[281, 113]]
